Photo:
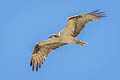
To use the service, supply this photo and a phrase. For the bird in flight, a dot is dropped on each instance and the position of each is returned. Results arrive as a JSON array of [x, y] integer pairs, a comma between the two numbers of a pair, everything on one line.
[[74, 26]]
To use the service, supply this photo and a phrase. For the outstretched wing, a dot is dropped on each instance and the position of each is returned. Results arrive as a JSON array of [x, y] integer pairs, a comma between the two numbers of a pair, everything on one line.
[[41, 51], [75, 24]]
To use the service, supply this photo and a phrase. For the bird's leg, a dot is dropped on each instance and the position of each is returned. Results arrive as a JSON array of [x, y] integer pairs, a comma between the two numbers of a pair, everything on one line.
[[82, 43]]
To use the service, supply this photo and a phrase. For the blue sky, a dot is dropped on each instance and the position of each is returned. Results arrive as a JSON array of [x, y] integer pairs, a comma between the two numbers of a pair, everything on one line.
[[25, 22]]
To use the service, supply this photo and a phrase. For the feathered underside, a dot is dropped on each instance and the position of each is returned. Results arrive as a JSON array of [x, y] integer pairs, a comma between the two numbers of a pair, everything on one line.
[[75, 24], [41, 52]]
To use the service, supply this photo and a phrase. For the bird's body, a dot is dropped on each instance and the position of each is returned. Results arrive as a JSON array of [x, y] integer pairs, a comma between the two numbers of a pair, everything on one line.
[[74, 26]]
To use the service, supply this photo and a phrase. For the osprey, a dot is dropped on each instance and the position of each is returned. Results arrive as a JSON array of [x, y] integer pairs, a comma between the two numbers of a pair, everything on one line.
[[74, 26]]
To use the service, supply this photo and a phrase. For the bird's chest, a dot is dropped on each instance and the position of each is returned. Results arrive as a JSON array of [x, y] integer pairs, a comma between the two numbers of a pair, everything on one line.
[[66, 39]]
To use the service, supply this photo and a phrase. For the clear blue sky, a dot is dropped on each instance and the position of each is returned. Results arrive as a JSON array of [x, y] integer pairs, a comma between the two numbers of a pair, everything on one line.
[[25, 22]]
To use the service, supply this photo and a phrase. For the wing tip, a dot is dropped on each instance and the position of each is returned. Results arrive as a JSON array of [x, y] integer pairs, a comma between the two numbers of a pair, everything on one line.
[[98, 13], [33, 67], [37, 66]]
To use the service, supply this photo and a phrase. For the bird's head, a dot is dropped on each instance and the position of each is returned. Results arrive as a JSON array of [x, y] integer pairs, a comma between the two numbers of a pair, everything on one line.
[[53, 36]]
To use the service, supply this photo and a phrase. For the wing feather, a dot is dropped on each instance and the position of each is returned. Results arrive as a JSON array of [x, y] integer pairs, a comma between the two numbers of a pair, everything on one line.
[[41, 51], [75, 24]]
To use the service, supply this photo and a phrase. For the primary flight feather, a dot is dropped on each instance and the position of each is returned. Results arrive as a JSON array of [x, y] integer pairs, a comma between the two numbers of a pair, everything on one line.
[[74, 26]]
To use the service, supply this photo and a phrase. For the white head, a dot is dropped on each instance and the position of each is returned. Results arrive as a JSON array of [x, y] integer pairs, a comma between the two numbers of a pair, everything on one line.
[[54, 35]]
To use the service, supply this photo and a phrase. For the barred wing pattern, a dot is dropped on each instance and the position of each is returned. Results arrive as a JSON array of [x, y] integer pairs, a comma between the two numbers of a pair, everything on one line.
[[75, 24], [41, 52]]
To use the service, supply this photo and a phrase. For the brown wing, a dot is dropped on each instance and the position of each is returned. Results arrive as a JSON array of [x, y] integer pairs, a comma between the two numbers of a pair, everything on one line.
[[75, 24], [41, 51]]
